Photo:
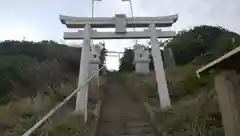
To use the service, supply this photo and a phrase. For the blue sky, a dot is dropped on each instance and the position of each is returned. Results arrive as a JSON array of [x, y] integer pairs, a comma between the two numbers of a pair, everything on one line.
[[39, 19]]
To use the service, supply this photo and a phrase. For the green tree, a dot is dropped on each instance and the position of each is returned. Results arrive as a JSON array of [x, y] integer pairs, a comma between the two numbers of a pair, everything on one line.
[[126, 62], [202, 42]]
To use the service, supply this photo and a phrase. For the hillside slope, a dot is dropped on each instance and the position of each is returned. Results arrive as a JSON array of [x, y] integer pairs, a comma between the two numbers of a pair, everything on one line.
[[34, 77], [195, 110], [30, 66]]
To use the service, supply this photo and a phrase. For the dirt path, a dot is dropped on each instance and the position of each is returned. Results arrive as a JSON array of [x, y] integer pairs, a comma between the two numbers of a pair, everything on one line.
[[122, 115]]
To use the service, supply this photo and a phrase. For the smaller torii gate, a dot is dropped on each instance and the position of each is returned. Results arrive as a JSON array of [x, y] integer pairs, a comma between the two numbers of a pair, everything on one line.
[[120, 22], [115, 52]]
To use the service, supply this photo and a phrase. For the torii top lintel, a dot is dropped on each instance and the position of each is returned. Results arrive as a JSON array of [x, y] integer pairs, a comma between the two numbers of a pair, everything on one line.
[[109, 22]]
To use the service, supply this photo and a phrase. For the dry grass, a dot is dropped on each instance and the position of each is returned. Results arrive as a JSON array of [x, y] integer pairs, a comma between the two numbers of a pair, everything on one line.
[[180, 73], [193, 117], [182, 82], [143, 86], [45, 84], [70, 125], [16, 117], [194, 109]]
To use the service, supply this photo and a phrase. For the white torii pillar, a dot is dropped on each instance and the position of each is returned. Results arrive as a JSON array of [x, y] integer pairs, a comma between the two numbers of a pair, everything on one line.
[[159, 70], [81, 99]]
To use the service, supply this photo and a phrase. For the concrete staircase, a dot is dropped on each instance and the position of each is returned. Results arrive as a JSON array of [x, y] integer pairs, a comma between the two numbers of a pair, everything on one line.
[[122, 115]]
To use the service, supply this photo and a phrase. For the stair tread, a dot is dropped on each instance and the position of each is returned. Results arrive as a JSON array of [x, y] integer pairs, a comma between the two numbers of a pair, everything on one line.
[[137, 124], [138, 135], [138, 130]]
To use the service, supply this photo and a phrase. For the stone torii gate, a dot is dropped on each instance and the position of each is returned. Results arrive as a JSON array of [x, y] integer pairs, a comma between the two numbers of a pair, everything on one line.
[[120, 22]]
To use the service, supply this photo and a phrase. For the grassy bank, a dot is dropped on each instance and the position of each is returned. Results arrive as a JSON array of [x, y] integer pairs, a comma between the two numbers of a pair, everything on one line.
[[35, 76], [18, 116], [194, 111]]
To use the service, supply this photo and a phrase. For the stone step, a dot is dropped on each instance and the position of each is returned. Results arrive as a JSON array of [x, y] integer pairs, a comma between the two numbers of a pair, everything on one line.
[[138, 130], [138, 124], [138, 135], [125, 119]]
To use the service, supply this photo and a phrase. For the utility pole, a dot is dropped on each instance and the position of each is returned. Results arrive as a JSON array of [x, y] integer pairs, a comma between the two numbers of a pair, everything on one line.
[[131, 8], [93, 7]]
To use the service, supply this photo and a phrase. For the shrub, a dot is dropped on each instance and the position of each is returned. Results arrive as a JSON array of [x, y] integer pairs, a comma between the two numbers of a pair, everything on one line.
[[11, 70], [183, 82]]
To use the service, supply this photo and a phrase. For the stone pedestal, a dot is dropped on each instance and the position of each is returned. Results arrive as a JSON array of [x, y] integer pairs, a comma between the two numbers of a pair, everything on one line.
[[93, 67], [141, 59], [142, 67]]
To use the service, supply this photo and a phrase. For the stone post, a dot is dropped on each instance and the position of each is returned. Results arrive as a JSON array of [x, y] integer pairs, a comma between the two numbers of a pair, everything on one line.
[[228, 91]]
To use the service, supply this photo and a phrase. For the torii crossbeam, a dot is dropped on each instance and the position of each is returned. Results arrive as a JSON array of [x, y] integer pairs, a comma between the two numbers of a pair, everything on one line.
[[112, 35], [120, 23], [110, 22]]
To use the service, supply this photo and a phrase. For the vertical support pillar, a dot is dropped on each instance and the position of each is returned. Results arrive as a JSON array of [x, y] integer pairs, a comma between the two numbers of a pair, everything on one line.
[[227, 87], [83, 72], [159, 70], [119, 59]]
